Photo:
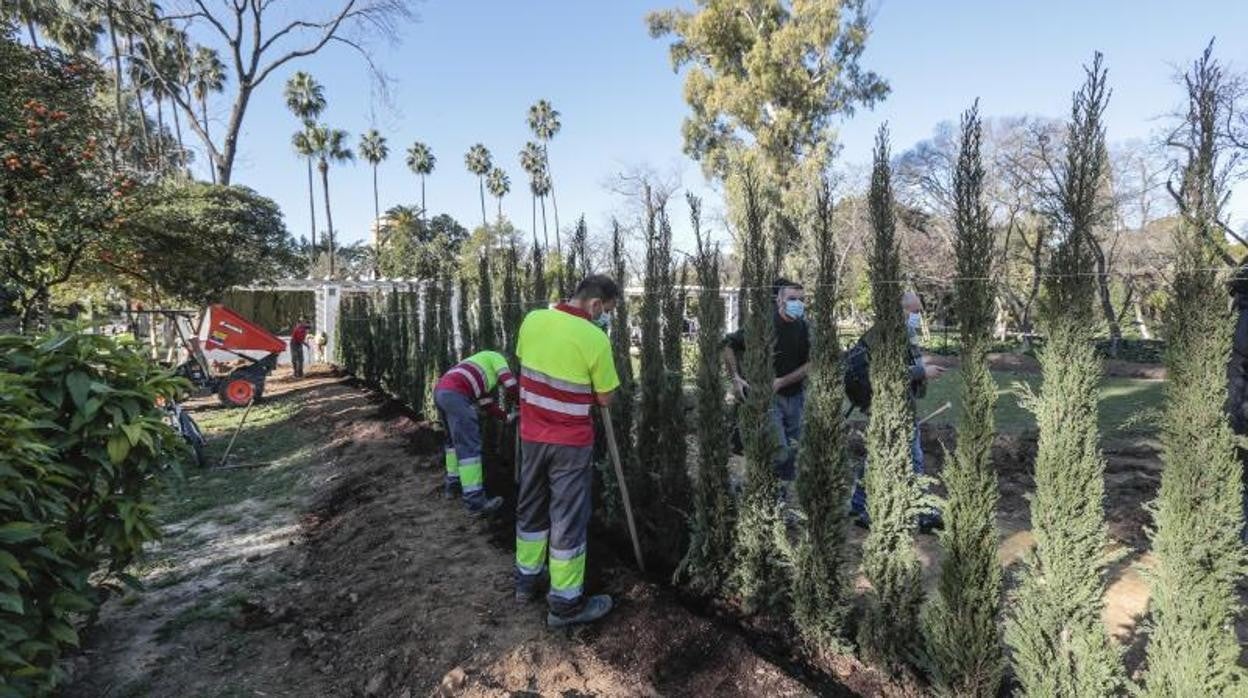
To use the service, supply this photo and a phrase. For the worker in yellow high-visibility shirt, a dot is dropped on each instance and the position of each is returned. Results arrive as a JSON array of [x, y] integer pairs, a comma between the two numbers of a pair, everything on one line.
[[470, 385], [566, 368]]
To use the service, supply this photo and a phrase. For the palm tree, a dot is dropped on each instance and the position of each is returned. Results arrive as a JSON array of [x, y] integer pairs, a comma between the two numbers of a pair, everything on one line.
[[373, 150], [329, 145], [305, 98], [539, 183], [208, 76], [499, 185], [478, 162], [421, 161], [544, 122]]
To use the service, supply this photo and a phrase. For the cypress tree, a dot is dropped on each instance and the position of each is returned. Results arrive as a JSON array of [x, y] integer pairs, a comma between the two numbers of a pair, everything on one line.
[[821, 580], [963, 642], [1192, 649], [446, 333], [894, 498], [652, 451], [674, 484], [623, 407], [487, 336], [1060, 645], [513, 311], [761, 544], [708, 561], [430, 352], [467, 343]]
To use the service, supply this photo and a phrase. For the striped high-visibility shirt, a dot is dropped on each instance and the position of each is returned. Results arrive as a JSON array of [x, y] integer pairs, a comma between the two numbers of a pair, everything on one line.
[[478, 375], [564, 360]]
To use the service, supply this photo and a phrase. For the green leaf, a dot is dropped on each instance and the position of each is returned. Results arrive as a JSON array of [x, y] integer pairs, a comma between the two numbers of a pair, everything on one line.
[[53, 394], [79, 384], [11, 603], [18, 532], [71, 601], [133, 432], [8, 561], [61, 631], [118, 448]]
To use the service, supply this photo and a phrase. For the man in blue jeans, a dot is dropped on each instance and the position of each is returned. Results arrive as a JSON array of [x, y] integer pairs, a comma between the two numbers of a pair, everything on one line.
[[792, 360]]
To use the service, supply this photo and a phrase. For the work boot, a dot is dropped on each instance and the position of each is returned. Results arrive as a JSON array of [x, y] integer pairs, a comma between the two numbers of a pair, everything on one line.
[[451, 489], [595, 608], [491, 505]]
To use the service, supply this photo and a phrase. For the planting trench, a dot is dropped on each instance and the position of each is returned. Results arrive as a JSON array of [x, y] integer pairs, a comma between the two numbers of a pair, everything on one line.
[[353, 577]]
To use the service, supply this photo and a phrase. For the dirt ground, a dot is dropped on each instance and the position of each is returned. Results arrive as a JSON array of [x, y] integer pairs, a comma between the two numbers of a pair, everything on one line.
[[337, 570]]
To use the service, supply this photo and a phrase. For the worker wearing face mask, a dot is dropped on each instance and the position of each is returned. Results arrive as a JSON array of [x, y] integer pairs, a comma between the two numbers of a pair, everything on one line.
[[566, 367], [858, 391], [792, 360]]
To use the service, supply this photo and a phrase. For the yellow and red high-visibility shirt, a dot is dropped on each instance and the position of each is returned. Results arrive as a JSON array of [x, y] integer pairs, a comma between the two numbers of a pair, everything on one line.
[[564, 360], [478, 375]]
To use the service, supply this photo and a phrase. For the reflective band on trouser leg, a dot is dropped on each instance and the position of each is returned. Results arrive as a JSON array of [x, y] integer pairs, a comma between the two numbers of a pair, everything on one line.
[[470, 474], [567, 573], [531, 552], [452, 464]]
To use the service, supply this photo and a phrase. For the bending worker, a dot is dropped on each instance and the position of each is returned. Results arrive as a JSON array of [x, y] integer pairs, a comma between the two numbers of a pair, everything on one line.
[[458, 394], [566, 367]]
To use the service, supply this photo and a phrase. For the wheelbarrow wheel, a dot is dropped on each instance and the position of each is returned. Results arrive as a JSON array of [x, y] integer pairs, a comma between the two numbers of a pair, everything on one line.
[[238, 391]]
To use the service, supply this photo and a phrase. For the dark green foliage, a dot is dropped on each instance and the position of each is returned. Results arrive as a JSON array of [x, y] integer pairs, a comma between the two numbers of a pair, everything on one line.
[[708, 562], [379, 341], [487, 335], [762, 550], [578, 266], [622, 409], [663, 480], [513, 310], [1060, 645], [467, 344], [965, 654], [1192, 649], [431, 340], [539, 292], [894, 498], [446, 349], [82, 447], [821, 585], [276, 311]]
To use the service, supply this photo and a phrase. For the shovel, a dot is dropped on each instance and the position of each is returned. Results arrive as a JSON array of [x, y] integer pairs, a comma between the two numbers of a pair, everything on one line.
[[935, 412], [619, 476]]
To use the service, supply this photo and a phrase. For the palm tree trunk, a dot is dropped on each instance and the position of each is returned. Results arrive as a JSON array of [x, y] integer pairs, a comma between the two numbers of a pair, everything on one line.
[[376, 226], [533, 198], [329, 216], [553, 202], [311, 216], [424, 212], [545, 233], [112, 36], [212, 166], [34, 38], [177, 128], [500, 211], [160, 131], [481, 185]]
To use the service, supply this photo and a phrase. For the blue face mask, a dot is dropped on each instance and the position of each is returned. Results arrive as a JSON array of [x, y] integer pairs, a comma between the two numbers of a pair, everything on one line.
[[603, 320], [795, 309]]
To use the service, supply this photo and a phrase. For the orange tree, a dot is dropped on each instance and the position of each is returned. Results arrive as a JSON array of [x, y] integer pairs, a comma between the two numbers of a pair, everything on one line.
[[59, 195]]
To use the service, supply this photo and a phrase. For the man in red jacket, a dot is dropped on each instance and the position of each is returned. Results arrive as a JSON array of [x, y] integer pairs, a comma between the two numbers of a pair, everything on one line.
[[298, 338]]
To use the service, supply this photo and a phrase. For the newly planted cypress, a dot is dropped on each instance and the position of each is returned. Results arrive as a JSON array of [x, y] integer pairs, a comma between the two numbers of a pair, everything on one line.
[[539, 293], [762, 551], [1060, 644], [487, 335], [965, 653], [622, 407], [708, 561], [446, 328], [821, 589], [513, 301], [430, 352], [467, 343], [1192, 649], [894, 497]]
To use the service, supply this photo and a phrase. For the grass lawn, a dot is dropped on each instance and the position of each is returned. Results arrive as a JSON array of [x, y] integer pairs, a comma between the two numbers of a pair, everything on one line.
[[1126, 403]]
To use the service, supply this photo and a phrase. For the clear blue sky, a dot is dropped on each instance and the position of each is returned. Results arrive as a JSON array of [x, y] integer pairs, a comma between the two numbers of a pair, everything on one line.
[[468, 70]]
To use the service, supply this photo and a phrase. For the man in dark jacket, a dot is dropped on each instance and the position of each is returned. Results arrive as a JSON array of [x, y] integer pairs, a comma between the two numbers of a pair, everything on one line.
[[791, 362]]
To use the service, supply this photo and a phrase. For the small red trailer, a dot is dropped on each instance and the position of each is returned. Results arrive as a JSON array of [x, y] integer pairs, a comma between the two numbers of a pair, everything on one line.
[[223, 329]]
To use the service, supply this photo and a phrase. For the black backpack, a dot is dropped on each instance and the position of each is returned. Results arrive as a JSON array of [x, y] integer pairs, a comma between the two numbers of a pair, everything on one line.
[[858, 376]]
